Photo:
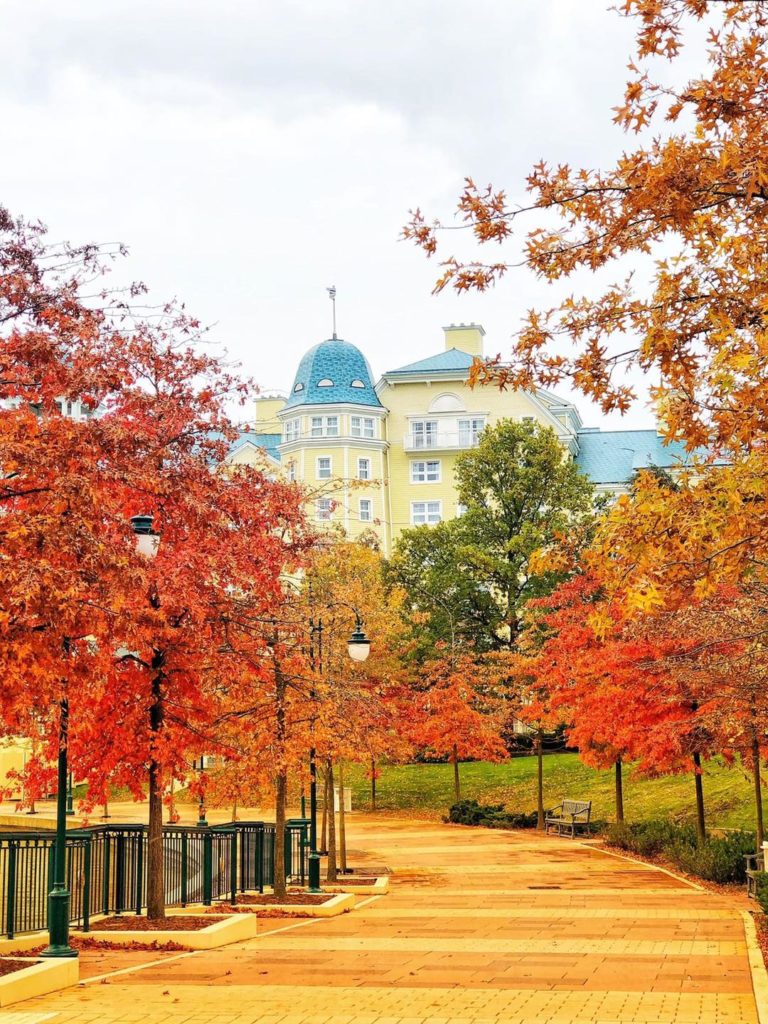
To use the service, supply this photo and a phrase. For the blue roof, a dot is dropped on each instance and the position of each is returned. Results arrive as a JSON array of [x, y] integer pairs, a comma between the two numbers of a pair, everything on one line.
[[268, 442], [332, 373], [613, 456], [451, 359]]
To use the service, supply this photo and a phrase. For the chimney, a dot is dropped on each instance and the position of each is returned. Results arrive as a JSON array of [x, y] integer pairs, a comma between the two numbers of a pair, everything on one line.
[[267, 408], [465, 337]]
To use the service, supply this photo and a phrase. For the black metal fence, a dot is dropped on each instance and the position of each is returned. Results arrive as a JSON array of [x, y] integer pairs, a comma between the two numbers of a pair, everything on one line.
[[106, 868]]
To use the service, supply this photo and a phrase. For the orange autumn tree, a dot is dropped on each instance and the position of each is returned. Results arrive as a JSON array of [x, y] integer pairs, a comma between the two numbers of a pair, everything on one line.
[[725, 664], [687, 207], [361, 709], [142, 636], [614, 687], [459, 709]]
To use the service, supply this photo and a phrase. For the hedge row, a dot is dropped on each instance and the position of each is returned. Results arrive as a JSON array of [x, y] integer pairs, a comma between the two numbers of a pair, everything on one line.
[[718, 859]]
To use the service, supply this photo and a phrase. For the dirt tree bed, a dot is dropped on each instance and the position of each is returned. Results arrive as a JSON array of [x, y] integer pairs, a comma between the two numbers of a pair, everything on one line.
[[11, 966], [299, 899], [177, 923]]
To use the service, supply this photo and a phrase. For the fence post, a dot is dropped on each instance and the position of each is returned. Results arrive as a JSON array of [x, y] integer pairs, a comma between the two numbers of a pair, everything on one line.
[[139, 870], [11, 908], [207, 869], [303, 845], [287, 852], [242, 859], [120, 874], [233, 866], [87, 886], [184, 868], [260, 858], [105, 867]]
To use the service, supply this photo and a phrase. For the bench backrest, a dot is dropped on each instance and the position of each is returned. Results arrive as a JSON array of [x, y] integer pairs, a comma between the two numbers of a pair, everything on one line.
[[578, 808]]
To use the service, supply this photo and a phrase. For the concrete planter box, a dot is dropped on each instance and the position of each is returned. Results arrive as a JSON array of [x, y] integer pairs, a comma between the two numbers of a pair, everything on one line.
[[23, 942], [40, 978], [234, 928]]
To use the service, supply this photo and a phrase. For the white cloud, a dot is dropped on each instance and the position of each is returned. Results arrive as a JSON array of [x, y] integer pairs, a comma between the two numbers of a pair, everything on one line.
[[251, 153]]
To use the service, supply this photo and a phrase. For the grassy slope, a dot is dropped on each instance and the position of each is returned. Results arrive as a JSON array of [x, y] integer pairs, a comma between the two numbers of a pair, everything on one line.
[[427, 789]]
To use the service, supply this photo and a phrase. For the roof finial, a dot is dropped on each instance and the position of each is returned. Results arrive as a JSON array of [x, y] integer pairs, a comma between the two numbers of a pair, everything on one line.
[[332, 294]]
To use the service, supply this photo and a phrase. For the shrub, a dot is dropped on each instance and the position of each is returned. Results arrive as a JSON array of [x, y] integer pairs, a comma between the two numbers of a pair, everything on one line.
[[649, 838], [470, 812], [716, 860], [761, 889]]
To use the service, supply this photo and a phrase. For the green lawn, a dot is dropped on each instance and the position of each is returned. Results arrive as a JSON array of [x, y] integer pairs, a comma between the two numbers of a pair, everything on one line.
[[427, 789]]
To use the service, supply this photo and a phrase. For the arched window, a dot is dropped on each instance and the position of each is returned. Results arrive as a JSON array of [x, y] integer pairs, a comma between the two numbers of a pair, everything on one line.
[[326, 382], [447, 402], [298, 387], [357, 383]]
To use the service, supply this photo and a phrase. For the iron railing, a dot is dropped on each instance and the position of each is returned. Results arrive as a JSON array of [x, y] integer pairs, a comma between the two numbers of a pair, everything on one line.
[[106, 868]]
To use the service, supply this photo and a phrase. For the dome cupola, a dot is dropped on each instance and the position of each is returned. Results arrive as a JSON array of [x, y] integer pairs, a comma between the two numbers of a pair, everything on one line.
[[333, 373]]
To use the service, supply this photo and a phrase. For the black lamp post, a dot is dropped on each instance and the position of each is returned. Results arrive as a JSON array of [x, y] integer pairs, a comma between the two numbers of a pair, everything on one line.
[[358, 647], [201, 819], [70, 796], [58, 898]]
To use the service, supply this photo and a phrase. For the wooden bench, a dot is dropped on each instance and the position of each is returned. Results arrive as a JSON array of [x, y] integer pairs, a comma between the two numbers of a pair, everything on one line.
[[569, 815], [755, 865]]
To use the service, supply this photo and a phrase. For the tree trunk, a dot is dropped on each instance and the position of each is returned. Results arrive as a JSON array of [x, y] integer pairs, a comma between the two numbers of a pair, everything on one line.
[[155, 865], [281, 790], [619, 793], [539, 781], [234, 811], [456, 779], [701, 828], [373, 783], [324, 827], [331, 874], [342, 822], [758, 791]]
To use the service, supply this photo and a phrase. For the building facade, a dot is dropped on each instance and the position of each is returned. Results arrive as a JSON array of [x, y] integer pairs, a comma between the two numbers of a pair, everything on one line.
[[380, 455]]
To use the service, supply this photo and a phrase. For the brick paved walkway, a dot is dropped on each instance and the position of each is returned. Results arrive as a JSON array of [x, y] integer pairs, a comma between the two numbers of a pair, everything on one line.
[[479, 928]]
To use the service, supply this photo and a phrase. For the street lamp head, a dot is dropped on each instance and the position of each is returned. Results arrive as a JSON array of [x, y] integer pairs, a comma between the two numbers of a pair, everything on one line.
[[359, 646], [147, 542]]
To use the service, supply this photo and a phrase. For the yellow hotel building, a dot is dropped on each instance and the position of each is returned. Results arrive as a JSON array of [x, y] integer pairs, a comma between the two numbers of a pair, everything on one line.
[[380, 455]]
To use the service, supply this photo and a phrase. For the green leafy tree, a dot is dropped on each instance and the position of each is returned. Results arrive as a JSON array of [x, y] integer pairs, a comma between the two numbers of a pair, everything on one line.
[[467, 580]]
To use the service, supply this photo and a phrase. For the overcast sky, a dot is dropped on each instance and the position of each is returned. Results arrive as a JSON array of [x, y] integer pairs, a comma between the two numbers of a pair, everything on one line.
[[251, 153]]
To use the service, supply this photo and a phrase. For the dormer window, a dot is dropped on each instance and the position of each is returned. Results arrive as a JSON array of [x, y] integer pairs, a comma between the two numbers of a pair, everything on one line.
[[298, 387], [357, 383], [326, 382]]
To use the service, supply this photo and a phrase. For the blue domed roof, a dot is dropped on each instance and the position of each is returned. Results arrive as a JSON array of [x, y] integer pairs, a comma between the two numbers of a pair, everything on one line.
[[333, 373]]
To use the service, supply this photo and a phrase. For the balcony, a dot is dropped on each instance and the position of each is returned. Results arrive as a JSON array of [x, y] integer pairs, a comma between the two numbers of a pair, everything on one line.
[[441, 440]]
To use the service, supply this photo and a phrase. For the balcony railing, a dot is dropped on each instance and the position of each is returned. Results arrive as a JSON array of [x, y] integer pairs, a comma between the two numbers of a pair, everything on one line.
[[441, 441]]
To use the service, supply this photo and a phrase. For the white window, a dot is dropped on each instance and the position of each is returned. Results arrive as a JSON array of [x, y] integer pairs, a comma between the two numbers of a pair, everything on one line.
[[426, 512], [470, 431], [323, 509], [425, 472], [363, 469], [324, 426], [362, 426], [461, 510], [291, 430], [424, 433], [291, 467], [366, 510], [324, 467]]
